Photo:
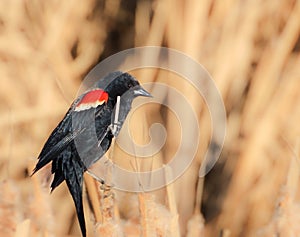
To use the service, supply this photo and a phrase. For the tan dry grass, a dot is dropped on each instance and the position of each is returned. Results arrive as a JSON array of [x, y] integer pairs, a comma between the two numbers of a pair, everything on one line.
[[250, 49]]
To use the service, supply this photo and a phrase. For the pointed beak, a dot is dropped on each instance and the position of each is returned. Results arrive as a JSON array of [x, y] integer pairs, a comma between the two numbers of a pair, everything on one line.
[[140, 91]]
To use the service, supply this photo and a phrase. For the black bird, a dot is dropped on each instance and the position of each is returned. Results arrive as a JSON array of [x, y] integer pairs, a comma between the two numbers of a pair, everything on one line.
[[85, 133]]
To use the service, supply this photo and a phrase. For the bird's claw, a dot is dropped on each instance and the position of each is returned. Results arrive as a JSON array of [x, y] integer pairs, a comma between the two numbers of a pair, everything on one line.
[[114, 128], [106, 187]]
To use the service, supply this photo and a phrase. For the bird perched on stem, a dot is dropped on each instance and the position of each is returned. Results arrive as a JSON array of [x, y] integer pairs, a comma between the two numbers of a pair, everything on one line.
[[85, 133]]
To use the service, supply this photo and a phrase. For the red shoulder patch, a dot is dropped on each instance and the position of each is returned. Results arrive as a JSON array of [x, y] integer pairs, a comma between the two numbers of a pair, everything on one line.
[[92, 99]]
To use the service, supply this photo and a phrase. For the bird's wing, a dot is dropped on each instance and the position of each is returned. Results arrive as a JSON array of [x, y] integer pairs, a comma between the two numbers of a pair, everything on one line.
[[58, 133], [48, 154], [56, 142]]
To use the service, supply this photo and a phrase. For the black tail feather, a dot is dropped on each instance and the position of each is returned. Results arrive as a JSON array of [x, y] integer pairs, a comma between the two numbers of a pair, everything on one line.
[[58, 179], [73, 174]]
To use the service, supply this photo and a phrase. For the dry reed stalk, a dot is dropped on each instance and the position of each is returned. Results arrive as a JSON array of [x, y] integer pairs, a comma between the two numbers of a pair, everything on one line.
[[224, 233], [109, 225], [285, 219], [254, 176], [259, 175], [111, 8], [144, 218], [195, 226], [186, 35], [93, 194], [28, 115], [10, 208], [131, 228], [23, 229], [293, 175], [158, 24], [186, 183], [236, 43], [172, 202], [107, 204], [109, 229], [156, 220], [269, 68], [142, 22], [40, 209]]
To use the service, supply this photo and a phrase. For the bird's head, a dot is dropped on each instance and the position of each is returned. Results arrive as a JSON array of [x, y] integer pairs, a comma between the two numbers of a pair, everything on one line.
[[122, 84]]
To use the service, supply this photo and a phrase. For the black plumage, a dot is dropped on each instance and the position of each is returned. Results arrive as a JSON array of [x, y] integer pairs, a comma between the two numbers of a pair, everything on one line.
[[85, 134]]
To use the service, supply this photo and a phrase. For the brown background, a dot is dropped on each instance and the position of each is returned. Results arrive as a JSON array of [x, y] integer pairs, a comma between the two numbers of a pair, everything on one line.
[[251, 49]]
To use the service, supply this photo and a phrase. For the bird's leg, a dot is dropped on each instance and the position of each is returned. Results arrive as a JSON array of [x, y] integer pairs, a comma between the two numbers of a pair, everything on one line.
[[115, 126]]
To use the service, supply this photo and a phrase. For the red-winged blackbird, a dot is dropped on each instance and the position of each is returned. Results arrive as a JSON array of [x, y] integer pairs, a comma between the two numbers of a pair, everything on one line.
[[85, 133]]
